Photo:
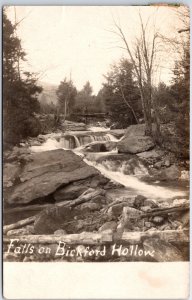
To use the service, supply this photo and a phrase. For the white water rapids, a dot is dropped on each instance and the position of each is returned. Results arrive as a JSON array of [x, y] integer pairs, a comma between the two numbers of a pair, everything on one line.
[[117, 172], [133, 182]]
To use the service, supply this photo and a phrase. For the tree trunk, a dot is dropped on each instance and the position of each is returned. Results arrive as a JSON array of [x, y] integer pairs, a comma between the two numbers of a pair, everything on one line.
[[18, 224], [165, 235], [91, 238], [84, 238], [128, 105], [147, 115], [165, 211], [157, 133]]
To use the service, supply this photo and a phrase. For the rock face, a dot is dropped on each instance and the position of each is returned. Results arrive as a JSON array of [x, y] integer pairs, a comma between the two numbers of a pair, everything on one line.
[[69, 192], [108, 226], [10, 172], [171, 140], [75, 189], [163, 251], [171, 173], [45, 173], [153, 155], [50, 220], [83, 217], [135, 145], [135, 140], [135, 130]]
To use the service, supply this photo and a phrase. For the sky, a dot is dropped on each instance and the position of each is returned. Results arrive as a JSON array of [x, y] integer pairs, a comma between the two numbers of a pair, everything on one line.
[[77, 42]]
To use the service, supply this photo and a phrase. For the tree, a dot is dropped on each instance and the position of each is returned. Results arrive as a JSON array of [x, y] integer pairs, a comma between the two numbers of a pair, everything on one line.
[[180, 88], [142, 55], [20, 90], [87, 90], [121, 94], [84, 99], [66, 94], [166, 106], [47, 107]]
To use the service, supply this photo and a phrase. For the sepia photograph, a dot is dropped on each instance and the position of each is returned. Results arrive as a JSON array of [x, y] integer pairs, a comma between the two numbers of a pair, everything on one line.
[[96, 134]]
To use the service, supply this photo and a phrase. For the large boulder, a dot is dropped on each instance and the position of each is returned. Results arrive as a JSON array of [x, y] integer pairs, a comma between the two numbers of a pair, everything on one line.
[[152, 156], [45, 173], [163, 251], [50, 220], [135, 144], [74, 189], [135, 141], [135, 130], [69, 192], [10, 172], [171, 173]]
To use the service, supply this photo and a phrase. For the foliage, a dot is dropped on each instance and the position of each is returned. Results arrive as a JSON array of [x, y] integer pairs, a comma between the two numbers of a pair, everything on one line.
[[19, 88], [66, 94], [121, 94], [180, 89], [84, 99], [173, 114], [47, 107], [86, 102], [173, 100]]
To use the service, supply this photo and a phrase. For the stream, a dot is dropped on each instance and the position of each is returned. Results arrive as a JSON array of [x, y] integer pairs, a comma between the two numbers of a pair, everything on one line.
[[127, 171]]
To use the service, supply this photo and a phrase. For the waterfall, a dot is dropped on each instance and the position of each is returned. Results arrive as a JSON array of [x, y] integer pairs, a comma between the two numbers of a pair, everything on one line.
[[133, 183], [72, 141], [133, 166], [64, 143], [50, 144], [111, 137], [77, 143]]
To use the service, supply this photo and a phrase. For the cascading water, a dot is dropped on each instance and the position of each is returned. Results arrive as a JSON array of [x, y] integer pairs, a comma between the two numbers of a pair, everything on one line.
[[72, 141], [127, 172], [132, 181], [77, 143], [50, 144], [111, 137], [130, 167]]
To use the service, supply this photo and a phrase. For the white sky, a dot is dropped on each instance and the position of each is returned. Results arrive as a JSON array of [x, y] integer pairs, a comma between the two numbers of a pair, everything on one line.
[[76, 39]]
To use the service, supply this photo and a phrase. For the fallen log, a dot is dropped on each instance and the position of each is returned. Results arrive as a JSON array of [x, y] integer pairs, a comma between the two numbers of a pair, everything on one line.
[[116, 202], [18, 224], [83, 238], [164, 211], [165, 235], [88, 195], [19, 231]]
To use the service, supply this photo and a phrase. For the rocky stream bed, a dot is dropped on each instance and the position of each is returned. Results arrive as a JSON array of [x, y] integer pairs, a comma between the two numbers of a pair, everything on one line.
[[95, 195]]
